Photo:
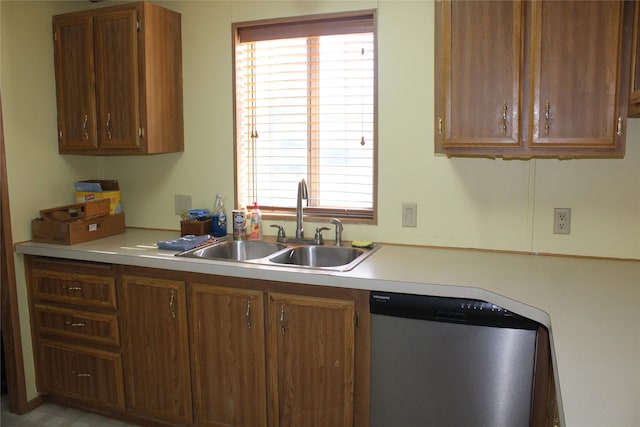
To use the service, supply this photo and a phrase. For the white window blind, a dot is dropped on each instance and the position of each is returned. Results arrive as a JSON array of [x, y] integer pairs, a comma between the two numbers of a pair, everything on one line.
[[305, 108]]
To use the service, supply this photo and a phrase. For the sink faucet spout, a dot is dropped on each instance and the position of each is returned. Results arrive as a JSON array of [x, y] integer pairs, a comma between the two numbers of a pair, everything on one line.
[[339, 229], [302, 194]]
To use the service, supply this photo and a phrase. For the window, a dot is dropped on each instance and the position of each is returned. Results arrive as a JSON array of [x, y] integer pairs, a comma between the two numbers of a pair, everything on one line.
[[305, 98]]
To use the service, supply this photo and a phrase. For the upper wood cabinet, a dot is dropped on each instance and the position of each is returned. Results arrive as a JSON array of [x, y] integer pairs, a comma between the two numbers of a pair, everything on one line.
[[532, 79], [634, 96], [119, 80]]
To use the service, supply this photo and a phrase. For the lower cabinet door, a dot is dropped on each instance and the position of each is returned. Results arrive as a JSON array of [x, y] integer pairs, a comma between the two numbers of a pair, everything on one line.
[[156, 349], [311, 349], [82, 373], [228, 356]]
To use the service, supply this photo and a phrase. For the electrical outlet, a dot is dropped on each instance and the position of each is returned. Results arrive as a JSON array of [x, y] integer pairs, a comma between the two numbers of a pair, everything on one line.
[[562, 221], [409, 214], [182, 203]]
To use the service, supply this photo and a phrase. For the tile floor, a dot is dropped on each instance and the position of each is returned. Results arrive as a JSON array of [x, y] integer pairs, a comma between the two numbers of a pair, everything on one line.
[[50, 415]]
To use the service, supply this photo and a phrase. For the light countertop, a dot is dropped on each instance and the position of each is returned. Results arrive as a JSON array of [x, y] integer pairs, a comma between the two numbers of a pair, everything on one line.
[[590, 306]]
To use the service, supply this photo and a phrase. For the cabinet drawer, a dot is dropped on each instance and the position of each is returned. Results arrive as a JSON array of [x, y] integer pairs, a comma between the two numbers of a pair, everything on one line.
[[74, 288], [81, 373], [94, 327]]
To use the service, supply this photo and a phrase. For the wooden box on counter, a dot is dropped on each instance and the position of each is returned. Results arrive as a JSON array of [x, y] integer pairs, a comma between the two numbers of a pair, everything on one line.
[[77, 230], [197, 228]]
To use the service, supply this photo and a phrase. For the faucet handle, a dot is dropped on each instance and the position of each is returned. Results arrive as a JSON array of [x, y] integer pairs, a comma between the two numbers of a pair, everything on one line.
[[318, 238], [281, 235]]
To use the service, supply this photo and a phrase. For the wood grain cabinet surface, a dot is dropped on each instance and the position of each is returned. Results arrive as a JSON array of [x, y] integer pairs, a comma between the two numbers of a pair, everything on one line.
[[82, 373], [532, 79], [228, 356], [311, 353], [119, 80], [163, 347], [156, 348], [76, 331], [273, 354], [634, 95]]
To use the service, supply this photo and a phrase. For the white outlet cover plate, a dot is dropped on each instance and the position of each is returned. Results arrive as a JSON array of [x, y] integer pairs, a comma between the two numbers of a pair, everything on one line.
[[409, 214]]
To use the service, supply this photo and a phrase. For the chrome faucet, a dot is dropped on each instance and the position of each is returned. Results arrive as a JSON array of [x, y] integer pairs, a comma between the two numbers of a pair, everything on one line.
[[302, 194], [339, 229]]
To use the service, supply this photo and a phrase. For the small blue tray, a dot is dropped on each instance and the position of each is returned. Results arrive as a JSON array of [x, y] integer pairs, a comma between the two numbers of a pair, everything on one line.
[[184, 243]]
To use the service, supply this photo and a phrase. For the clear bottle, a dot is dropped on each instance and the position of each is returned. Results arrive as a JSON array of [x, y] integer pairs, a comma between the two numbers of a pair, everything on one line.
[[219, 218], [255, 224]]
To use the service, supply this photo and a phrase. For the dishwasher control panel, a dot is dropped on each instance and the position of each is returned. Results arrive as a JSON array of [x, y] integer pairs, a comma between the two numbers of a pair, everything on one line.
[[446, 309]]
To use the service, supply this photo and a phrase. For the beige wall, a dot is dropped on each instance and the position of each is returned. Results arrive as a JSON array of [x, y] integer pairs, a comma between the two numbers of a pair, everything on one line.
[[479, 203]]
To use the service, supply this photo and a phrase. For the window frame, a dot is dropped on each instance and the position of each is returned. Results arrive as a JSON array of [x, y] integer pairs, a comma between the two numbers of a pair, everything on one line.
[[297, 26]]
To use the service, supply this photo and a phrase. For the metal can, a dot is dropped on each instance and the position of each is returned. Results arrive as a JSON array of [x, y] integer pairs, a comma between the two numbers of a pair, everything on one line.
[[239, 220]]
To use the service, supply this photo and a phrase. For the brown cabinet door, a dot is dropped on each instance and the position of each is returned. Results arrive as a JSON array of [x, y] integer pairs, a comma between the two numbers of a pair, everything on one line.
[[74, 69], [575, 63], [116, 47], [311, 361], [156, 348], [228, 356], [634, 96], [478, 63]]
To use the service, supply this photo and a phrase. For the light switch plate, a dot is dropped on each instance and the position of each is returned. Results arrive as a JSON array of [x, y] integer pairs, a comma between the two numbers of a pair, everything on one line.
[[182, 203], [409, 214]]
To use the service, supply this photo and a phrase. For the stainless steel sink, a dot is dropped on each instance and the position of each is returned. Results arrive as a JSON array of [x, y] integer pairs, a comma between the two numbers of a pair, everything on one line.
[[323, 257], [331, 258], [235, 250]]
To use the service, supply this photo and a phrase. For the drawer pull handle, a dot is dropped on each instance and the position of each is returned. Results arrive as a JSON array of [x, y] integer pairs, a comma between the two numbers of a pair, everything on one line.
[[80, 374], [75, 324], [71, 288]]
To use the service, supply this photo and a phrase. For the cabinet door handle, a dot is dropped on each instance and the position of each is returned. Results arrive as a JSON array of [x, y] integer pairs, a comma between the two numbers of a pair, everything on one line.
[[620, 122], [505, 108], [172, 304], [247, 314], [80, 374], [547, 116], [109, 135], [71, 288], [439, 125], [283, 330], [85, 123], [75, 324]]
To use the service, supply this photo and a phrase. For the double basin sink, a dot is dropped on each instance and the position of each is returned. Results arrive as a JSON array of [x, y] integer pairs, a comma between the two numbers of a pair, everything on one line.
[[332, 258]]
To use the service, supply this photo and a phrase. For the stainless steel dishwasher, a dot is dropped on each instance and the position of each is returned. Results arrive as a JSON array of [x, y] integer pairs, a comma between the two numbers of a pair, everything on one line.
[[449, 362]]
